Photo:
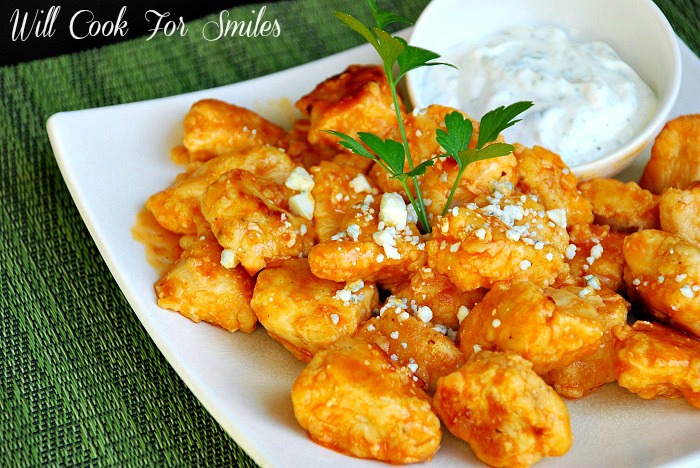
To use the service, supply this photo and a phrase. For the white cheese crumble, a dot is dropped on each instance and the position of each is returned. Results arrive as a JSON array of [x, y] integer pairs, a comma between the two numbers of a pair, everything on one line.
[[558, 217], [592, 281], [687, 292], [353, 231], [392, 211], [228, 259], [300, 180], [462, 313], [525, 264], [302, 204], [335, 319], [360, 184], [570, 251], [424, 313]]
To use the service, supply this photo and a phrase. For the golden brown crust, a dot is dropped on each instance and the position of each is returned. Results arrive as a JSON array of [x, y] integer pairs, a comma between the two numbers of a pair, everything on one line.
[[307, 314], [176, 207], [214, 127], [551, 328], [199, 288], [506, 413], [249, 218], [412, 342], [663, 270], [543, 173], [625, 207], [675, 156], [351, 399], [679, 212], [478, 246], [655, 360], [357, 100]]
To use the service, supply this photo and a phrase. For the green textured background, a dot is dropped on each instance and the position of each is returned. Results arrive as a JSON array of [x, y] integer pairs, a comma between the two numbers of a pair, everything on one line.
[[82, 383]]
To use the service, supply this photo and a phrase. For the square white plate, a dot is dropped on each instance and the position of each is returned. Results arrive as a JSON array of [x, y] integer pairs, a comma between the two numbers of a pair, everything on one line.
[[113, 158]]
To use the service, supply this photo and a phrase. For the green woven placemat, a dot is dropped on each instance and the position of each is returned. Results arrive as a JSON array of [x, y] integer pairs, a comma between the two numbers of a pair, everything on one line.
[[82, 383]]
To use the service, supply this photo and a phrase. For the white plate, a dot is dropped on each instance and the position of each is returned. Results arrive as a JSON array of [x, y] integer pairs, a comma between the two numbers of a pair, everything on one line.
[[113, 158]]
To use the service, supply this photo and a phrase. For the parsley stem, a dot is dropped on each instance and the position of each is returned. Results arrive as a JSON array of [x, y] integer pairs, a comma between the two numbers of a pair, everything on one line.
[[417, 203], [452, 192]]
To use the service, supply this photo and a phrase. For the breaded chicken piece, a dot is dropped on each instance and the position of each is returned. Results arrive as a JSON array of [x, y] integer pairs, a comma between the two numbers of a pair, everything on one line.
[[356, 100], [598, 252], [250, 220], [176, 207], [655, 360], [201, 289], [504, 411], [215, 127], [675, 156], [297, 146], [551, 328], [478, 179], [543, 173], [351, 399], [435, 290], [581, 377], [511, 238], [585, 375], [679, 212], [307, 314], [360, 250], [336, 190], [404, 331], [625, 207], [663, 270]]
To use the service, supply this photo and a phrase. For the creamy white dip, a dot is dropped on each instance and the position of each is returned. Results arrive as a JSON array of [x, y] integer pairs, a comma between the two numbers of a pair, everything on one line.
[[587, 100]]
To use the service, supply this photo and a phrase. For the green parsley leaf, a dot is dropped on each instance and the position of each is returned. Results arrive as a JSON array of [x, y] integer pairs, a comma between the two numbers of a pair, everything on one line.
[[419, 170], [384, 18], [412, 57], [357, 26], [497, 120], [389, 49], [352, 144], [458, 135], [493, 150], [390, 151]]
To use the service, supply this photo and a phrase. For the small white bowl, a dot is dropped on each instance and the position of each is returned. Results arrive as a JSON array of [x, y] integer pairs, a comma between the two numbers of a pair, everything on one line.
[[636, 29]]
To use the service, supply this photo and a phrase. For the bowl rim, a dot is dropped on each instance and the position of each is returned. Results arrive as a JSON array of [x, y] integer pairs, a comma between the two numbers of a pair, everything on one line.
[[643, 137]]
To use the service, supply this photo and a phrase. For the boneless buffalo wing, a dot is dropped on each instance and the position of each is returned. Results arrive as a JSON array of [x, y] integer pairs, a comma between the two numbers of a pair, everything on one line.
[[516, 293]]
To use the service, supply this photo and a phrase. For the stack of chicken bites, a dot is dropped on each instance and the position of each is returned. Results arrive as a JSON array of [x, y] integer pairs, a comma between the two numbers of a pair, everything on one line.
[[518, 297]]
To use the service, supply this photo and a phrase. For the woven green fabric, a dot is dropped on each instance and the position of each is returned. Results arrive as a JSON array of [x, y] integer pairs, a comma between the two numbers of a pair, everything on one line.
[[82, 383]]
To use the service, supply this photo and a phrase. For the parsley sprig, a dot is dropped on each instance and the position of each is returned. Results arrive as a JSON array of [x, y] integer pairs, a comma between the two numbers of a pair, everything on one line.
[[455, 141], [394, 155]]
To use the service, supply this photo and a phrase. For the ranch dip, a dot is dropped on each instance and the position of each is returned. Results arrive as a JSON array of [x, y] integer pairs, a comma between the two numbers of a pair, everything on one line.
[[587, 100]]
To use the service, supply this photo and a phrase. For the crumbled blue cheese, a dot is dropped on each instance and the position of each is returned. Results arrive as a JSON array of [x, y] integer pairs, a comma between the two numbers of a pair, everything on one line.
[[228, 259], [687, 292], [558, 217], [592, 281], [425, 314], [392, 211], [302, 204], [462, 313], [570, 251], [360, 184], [386, 238], [353, 231], [300, 180]]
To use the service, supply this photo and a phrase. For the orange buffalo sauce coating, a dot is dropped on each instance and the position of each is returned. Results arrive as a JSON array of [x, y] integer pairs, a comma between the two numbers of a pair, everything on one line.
[[162, 247]]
